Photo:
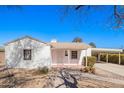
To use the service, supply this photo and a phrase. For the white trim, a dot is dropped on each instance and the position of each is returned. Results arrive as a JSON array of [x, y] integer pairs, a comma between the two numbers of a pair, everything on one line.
[[107, 49], [64, 64], [68, 51]]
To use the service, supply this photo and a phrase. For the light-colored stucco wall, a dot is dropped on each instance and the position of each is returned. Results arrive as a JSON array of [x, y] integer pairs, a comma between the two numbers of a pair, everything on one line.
[[41, 54], [58, 57], [86, 52]]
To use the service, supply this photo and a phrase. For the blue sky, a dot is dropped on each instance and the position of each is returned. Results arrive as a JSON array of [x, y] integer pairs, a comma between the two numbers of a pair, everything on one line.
[[49, 22]]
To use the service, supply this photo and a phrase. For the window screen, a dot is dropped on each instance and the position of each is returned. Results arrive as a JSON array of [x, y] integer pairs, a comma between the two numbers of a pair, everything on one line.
[[74, 54], [27, 54]]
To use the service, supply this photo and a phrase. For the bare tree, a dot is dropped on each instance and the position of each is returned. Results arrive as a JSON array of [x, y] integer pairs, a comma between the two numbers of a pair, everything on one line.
[[117, 16]]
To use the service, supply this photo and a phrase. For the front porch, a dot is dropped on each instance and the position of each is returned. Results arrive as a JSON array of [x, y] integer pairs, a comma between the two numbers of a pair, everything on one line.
[[65, 57]]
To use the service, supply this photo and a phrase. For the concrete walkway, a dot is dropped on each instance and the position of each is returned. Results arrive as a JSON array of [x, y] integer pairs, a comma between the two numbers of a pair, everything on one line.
[[113, 68]]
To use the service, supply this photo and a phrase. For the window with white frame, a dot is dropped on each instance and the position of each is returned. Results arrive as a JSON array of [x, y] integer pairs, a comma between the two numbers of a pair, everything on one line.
[[74, 55]]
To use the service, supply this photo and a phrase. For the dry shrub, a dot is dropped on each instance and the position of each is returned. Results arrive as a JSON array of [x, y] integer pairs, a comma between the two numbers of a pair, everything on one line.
[[42, 70], [90, 64], [89, 70]]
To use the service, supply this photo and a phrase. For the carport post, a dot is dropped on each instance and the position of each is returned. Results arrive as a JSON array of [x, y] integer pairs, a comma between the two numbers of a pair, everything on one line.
[[68, 51], [86, 57], [119, 59], [107, 57], [99, 56]]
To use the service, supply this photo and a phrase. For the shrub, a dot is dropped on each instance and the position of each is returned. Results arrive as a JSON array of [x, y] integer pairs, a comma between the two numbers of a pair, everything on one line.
[[91, 60], [113, 58], [43, 70], [103, 58], [89, 69], [86, 69], [92, 70], [122, 59], [90, 64]]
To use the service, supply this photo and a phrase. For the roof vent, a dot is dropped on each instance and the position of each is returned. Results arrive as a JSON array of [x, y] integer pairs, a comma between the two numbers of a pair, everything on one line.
[[53, 41]]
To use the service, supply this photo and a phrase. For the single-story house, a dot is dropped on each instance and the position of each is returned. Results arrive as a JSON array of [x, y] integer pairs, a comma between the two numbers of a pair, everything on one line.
[[28, 52]]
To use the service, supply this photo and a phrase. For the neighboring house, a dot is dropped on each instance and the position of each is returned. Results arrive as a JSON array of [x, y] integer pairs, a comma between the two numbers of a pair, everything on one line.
[[2, 55], [27, 52]]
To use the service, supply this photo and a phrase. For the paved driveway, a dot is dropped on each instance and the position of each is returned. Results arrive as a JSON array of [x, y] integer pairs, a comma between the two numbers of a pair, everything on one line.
[[114, 68]]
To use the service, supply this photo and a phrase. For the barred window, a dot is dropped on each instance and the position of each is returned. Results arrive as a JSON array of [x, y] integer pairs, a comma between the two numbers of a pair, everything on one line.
[[74, 54], [27, 54]]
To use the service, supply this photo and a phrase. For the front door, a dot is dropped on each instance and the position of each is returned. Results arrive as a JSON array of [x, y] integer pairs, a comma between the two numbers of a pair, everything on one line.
[[59, 57]]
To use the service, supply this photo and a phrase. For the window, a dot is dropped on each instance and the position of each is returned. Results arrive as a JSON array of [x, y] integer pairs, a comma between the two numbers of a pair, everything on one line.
[[27, 54], [74, 54], [66, 53]]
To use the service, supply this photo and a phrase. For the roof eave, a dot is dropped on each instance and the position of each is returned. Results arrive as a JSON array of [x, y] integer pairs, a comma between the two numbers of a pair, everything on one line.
[[23, 38]]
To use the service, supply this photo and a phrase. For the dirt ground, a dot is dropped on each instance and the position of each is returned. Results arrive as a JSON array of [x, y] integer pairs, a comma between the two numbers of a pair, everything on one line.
[[22, 78], [56, 78], [92, 83]]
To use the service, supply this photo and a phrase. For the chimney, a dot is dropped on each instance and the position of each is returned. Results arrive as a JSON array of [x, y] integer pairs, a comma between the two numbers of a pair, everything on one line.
[[53, 41]]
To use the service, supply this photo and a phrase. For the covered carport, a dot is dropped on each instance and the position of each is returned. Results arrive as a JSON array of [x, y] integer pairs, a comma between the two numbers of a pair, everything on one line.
[[98, 51]]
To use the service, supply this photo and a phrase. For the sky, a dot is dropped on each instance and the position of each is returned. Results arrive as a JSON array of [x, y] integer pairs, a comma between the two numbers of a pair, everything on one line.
[[52, 22]]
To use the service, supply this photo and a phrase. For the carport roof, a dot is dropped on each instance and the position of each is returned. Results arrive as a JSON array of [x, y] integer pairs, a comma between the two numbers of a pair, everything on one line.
[[106, 50]]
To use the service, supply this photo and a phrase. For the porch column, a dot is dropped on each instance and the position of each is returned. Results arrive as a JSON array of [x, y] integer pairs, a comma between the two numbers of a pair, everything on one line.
[[119, 59], [86, 56], [68, 56], [107, 57]]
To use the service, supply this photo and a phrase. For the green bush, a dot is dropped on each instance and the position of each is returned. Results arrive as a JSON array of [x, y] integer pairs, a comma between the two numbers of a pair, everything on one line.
[[103, 57], [122, 59], [113, 58], [43, 70], [91, 60]]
